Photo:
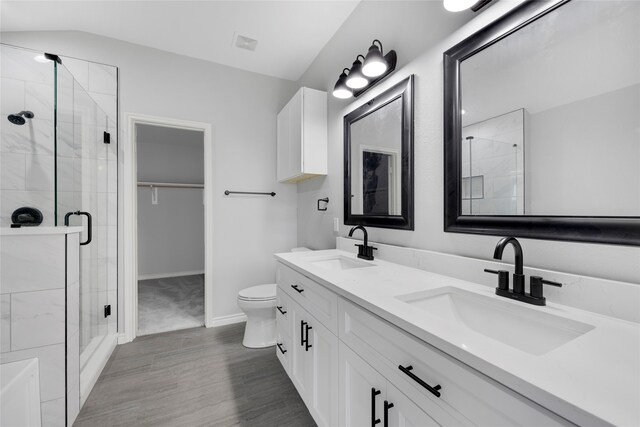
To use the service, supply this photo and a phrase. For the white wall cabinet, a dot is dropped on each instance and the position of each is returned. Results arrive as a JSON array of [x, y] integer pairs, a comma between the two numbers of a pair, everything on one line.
[[302, 136]]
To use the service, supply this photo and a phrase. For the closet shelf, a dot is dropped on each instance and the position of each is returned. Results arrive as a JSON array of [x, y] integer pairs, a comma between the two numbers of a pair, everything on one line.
[[168, 184]]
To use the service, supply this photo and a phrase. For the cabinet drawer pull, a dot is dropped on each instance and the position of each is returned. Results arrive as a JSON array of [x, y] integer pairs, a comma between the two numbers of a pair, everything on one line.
[[387, 406], [280, 348], [297, 289], [417, 379], [279, 307], [374, 393]]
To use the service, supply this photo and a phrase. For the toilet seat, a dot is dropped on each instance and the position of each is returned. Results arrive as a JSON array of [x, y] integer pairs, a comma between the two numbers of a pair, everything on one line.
[[258, 293]]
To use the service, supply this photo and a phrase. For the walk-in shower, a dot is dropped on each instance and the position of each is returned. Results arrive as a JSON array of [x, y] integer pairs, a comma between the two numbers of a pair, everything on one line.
[[58, 160], [492, 177]]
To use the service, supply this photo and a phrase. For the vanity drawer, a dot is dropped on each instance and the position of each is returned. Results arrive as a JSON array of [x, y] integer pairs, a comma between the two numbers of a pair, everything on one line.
[[466, 395], [320, 302], [283, 348], [283, 311]]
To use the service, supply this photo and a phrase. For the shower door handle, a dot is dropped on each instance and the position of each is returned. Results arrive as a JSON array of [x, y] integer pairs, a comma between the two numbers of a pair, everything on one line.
[[89, 224]]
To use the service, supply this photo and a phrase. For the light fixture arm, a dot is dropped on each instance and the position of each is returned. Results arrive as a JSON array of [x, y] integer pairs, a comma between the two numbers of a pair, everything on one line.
[[380, 43]]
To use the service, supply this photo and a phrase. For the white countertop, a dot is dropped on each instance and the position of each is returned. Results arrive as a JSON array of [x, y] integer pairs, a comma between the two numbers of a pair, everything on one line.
[[39, 230], [593, 379]]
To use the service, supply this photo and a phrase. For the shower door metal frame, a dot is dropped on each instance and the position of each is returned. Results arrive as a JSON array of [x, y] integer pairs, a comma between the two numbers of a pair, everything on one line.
[[130, 240]]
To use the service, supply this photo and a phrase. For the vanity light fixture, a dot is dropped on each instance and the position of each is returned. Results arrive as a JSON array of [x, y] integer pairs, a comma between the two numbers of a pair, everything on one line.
[[460, 5], [355, 79], [374, 64], [341, 90], [365, 74]]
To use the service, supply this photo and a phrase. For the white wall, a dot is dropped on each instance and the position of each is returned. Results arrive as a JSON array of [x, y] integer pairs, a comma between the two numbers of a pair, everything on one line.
[[585, 151], [315, 228], [241, 107], [171, 232]]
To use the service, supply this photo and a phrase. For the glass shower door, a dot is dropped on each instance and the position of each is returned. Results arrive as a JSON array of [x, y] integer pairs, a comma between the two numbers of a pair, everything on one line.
[[87, 182]]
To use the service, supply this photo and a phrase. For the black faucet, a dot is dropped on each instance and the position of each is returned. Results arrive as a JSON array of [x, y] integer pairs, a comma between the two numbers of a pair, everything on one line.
[[535, 287], [364, 251], [518, 276]]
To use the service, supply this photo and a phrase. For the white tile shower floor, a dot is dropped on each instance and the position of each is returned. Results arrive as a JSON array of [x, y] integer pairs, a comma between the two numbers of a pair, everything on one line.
[[171, 303]]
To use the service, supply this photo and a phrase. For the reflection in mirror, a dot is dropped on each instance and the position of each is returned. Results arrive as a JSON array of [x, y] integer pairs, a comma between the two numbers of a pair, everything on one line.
[[493, 166], [376, 145], [378, 160], [551, 116]]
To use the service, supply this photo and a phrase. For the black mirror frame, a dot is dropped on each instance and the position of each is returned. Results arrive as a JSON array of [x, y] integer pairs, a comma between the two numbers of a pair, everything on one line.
[[593, 229], [405, 221]]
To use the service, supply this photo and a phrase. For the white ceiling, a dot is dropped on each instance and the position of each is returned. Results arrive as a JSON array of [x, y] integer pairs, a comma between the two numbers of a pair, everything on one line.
[[290, 33]]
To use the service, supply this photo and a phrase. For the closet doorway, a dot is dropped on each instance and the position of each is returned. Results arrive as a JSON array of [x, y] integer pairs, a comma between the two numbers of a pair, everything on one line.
[[170, 228]]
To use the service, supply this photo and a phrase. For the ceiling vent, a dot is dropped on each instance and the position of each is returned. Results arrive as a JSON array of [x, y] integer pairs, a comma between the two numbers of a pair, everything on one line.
[[243, 42]]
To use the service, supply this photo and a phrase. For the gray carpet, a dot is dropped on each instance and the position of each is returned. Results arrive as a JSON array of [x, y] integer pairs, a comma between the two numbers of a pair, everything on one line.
[[170, 304], [195, 377]]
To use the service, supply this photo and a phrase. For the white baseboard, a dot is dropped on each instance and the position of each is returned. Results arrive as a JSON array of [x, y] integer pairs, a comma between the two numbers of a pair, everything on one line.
[[122, 339], [226, 320], [164, 275]]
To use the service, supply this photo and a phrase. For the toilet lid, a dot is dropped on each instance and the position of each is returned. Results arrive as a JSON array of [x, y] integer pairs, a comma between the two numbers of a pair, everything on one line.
[[258, 293]]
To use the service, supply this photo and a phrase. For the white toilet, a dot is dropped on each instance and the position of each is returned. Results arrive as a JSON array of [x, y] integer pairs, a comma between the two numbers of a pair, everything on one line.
[[259, 304]]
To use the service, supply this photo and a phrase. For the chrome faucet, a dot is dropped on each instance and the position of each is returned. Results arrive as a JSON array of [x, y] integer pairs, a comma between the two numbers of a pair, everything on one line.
[[364, 251], [535, 295]]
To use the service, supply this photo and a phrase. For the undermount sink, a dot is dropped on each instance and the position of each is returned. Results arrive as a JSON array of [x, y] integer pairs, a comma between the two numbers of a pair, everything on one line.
[[518, 326], [340, 263]]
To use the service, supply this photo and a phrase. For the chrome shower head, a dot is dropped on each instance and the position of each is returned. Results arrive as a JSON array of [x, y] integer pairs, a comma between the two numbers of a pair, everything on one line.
[[19, 119]]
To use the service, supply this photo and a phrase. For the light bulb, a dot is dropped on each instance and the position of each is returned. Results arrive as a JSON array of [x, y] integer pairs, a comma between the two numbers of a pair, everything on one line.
[[374, 64], [355, 79], [458, 5]]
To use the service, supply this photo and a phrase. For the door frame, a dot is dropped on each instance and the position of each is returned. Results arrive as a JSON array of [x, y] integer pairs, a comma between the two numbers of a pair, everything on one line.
[[130, 241]]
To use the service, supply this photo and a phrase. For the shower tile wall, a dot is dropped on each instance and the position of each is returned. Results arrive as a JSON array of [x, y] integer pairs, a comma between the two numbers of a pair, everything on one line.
[[496, 154], [26, 151], [32, 315], [87, 172]]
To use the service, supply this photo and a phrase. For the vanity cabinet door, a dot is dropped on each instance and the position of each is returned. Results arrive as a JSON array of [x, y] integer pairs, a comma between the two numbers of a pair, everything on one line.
[[323, 354], [361, 390], [314, 365], [300, 360], [404, 413]]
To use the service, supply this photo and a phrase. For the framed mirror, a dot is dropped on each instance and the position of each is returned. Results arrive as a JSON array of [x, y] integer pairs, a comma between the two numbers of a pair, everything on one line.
[[542, 124], [378, 160]]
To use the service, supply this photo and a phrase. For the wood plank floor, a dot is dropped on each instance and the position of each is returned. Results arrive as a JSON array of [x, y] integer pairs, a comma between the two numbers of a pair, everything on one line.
[[194, 377]]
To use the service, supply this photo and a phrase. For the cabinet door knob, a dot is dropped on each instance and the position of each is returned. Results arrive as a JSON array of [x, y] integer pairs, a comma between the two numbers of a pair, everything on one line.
[[297, 289], [279, 307]]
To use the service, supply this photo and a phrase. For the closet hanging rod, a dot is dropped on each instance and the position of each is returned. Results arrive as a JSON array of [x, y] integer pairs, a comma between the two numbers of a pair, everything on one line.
[[227, 192], [169, 184]]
